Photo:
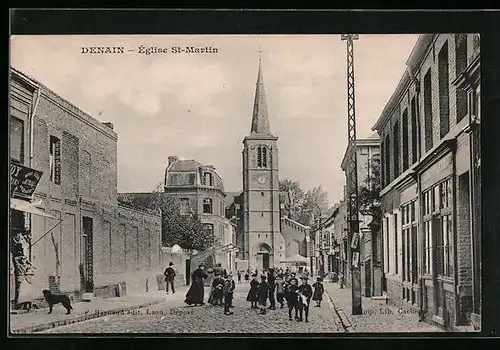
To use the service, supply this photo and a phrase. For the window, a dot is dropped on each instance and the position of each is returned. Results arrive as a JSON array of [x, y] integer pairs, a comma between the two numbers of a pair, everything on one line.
[[414, 132], [55, 160], [461, 65], [444, 94], [382, 173], [387, 160], [396, 149], [184, 206], [259, 157], [428, 110], [192, 179], [207, 206], [209, 228], [428, 247], [409, 243], [387, 244], [207, 179], [406, 138], [396, 265], [16, 139], [264, 157], [443, 247]]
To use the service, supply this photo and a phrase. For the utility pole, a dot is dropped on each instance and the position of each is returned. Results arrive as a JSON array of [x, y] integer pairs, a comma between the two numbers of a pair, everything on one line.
[[352, 179]]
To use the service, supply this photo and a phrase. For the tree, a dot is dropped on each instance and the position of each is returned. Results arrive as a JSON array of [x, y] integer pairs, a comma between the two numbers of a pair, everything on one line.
[[369, 191], [185, 230], [305, 205]]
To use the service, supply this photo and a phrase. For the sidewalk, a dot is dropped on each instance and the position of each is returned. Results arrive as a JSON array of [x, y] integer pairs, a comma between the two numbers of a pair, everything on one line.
[[39, 320], [377, 316]]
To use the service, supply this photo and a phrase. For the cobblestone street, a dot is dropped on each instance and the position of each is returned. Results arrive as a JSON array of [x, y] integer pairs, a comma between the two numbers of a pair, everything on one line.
[[174, 316]]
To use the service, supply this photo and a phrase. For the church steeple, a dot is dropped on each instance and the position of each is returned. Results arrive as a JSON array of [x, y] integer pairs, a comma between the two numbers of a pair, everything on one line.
[[260, 120]]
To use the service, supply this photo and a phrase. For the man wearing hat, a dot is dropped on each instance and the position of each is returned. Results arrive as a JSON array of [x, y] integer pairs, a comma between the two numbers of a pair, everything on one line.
[[305, 292], [229, 287]]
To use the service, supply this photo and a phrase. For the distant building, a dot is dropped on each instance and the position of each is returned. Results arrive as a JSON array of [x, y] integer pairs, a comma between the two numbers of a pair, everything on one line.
[[367, 150], [200, 190], [431, 225]]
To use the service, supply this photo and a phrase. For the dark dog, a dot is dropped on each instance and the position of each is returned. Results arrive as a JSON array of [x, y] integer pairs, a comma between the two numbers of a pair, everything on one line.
[[53, 299]]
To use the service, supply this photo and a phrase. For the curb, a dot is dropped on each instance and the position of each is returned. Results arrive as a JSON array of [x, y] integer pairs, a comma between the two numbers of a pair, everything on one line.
[[346, 324], [48, 325]]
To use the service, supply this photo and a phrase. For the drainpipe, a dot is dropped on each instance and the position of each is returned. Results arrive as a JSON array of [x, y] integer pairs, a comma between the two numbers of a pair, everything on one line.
[[32, 125]]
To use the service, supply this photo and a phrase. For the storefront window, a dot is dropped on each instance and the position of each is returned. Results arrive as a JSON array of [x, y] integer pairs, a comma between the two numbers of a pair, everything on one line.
[[16, 139]]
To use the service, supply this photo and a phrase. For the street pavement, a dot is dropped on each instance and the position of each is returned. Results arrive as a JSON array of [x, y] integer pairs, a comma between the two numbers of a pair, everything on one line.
[[174, 316], [377, 316]]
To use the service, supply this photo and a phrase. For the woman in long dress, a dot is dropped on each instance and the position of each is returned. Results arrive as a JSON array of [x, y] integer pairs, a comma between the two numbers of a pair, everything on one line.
[[196, 292]]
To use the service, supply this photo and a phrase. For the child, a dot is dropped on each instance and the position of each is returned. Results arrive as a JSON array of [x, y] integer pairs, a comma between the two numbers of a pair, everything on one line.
[[318, 292], [252, 293], [292, 298], [217, 290], [263, 293], [306, 292], [280, 290], [229, 287]]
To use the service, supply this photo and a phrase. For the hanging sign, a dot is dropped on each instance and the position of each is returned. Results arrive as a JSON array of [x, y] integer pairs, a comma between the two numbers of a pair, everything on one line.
[[23, 181], [355, 259], [355, 240]]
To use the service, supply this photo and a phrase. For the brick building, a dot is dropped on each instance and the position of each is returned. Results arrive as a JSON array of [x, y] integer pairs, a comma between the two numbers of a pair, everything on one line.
[[78, 237], [429, 182], [367, 150]]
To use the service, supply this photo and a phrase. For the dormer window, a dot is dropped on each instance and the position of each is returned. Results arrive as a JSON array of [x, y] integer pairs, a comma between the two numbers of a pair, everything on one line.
[[207, 179], [262, 157]]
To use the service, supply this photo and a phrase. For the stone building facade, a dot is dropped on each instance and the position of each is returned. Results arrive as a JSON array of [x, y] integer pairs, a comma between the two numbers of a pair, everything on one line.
[[367, 150], [85, 242], [430, 242], [200, 190]]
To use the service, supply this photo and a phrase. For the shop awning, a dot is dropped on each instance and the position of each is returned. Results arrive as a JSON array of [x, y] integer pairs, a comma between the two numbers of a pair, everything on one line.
[[27, 207]]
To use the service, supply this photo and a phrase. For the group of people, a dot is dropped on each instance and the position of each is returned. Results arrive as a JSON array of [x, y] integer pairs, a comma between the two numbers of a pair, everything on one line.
[[221, 293], [287, 289], [274, 285]]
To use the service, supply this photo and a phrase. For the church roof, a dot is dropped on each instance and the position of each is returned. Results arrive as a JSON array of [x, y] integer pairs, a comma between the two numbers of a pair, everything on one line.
[[231, 197], [260, 119]]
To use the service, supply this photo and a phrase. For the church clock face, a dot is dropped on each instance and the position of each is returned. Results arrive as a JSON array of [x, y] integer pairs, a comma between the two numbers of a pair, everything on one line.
[[262, 179]]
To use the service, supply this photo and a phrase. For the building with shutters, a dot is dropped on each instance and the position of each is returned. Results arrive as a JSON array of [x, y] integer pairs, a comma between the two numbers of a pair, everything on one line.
[[429, 132], [78, 237]]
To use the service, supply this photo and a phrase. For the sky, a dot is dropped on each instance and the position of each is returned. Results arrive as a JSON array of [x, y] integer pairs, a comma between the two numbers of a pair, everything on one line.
[[199, 106]]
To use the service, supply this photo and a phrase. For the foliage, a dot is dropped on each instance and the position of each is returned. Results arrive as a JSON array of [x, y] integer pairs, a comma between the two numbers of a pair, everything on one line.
[[305, 205], [369, 191], [185, 230]]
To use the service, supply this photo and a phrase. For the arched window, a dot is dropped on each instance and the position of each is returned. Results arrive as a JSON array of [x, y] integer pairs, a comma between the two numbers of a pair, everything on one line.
[[259, 157]]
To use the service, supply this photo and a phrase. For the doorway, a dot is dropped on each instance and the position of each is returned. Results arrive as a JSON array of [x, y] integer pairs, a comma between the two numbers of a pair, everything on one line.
[[88, 254], [265, 261]]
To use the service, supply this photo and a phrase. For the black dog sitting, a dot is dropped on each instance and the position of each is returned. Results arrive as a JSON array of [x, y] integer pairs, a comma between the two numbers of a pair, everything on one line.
[[53, 299]]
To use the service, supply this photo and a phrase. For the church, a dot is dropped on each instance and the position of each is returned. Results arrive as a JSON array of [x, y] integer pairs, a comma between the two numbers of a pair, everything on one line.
[[266, 237]]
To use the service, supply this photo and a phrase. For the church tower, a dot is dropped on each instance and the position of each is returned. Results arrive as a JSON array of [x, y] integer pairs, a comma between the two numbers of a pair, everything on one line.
[[263, 242]]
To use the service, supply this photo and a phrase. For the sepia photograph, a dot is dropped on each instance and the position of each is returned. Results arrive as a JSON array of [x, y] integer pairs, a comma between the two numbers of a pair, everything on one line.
[[245, 184]]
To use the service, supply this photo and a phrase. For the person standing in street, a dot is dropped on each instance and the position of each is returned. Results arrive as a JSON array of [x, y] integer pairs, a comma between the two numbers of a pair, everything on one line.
[[318, 292], [229, 287], [247, 276], [280, 291], [305, 293], [263, 294], [252, 293], [196, 292], [170, 277], [271, 281], [239, 276], [292, 298]]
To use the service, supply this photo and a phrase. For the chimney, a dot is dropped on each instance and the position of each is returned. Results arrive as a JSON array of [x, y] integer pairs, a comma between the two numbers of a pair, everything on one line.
[[172, 159], [109, 125]]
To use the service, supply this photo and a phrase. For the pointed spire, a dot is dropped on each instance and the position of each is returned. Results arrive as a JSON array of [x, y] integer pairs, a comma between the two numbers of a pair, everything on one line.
[[260, 120]]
